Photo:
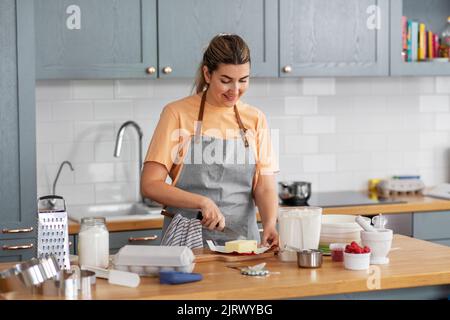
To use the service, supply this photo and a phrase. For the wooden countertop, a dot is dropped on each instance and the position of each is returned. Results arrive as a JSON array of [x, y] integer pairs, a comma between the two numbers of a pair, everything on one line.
[[413, 263], [412, 204]]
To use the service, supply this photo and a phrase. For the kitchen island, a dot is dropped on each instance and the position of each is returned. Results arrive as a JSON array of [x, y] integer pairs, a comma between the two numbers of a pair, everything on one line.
[[417, 269]]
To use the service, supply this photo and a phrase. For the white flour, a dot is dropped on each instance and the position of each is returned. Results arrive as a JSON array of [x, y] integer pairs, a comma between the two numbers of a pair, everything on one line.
[[299, 228]]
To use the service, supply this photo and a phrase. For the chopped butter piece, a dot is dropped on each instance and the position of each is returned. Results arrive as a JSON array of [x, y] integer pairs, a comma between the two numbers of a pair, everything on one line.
[[241, 246]]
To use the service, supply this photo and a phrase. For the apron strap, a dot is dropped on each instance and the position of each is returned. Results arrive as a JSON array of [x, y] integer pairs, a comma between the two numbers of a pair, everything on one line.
[[198, 128]]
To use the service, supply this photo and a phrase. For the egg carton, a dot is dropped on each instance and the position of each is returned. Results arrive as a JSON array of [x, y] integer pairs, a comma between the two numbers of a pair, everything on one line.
[[394, 187], [153, 270]]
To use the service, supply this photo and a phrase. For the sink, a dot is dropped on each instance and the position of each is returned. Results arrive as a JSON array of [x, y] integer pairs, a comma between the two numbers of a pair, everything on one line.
[[114, 211]]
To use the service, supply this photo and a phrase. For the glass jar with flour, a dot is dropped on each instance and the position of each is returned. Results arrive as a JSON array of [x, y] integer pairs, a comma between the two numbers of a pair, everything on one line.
[[299, 229], [93, 243]]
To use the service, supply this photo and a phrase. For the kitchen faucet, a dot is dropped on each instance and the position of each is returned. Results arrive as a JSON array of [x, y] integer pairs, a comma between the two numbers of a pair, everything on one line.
[[118, 146], [59, 171]]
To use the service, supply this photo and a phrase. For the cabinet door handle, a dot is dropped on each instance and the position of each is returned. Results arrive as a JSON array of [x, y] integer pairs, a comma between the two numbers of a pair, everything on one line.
[[287, 69], [26, 246], [167, 70], [151, 70], [132, 239], [18, 230]]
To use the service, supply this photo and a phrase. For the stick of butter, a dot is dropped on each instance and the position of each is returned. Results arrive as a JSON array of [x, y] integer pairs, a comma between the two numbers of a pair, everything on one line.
[[241, 246]]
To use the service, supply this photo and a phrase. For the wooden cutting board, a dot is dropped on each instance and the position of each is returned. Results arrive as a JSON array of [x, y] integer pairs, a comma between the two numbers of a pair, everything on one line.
[[205, 255]]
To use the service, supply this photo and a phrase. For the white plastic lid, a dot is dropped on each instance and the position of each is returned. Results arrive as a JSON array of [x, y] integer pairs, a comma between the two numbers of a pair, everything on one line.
[[161, 256]]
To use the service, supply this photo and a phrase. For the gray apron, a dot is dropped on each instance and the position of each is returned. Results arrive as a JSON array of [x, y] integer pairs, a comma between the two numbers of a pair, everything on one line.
[[228, 182]]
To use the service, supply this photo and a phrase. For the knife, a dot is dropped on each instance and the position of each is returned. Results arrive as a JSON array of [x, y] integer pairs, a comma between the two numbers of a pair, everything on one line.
[[229, 232]]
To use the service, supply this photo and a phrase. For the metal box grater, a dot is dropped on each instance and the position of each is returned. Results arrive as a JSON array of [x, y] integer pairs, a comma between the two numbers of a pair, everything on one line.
[[53, 231]]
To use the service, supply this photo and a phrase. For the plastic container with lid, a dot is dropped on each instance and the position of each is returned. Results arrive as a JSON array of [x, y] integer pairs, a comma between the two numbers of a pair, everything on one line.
[[150, 260], [445, 38], [337, 251], [93, 242]]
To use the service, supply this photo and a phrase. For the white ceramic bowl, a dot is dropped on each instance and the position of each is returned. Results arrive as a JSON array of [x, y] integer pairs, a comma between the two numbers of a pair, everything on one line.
[[379, 243], [356, 261]]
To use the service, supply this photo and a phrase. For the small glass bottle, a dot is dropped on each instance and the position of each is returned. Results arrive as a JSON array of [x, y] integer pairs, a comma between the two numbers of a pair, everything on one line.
[[93, 243]]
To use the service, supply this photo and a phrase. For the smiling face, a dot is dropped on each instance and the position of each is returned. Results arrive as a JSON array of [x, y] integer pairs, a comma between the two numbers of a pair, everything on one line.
[[227, 84]]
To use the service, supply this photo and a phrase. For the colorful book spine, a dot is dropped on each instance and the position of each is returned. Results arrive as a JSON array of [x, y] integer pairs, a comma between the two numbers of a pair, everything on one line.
[[430, 46], [409, 42], [436, 46], [422, 42], [414, 41], [405, 38]]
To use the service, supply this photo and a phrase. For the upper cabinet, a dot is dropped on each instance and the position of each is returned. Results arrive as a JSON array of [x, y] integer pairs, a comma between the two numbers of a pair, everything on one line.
[[18, 208], [83, 39], [433, 14], [334, 38], [186, 27]]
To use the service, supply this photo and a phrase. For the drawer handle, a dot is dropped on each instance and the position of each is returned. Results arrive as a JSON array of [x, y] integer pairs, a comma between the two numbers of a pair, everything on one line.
[[18, 230], [132, 239], [26, 246]]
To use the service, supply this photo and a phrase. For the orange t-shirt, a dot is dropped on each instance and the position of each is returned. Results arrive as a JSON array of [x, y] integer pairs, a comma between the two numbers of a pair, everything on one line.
[[177, 124]]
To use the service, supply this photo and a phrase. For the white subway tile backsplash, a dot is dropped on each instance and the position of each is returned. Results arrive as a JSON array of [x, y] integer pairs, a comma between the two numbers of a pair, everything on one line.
[[300, 105], [370, 105], [44, 111], [297, 144], [50, 132], [430, 140], [319, 86], [418, 85], [352, 162], [75, 152], [284, 87], [126, 171], [73, 110], [44, 153], [319, 124], [77, 194], [49, 90], [336, 133], [333, 105], [319, 163], [129, 89], [93, 89], [94, 172], [336, 143], [442, 84], [116, 192], [113, 109], [371, 142], [402, 104], [443, 121], [434, 103], [93, 131]]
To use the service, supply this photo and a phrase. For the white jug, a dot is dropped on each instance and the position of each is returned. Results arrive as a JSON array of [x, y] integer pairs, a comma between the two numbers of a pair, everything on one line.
[[299, 228]]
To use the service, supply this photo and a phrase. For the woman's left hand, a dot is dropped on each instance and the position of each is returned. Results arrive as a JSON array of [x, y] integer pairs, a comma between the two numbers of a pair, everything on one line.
[[270, 237]]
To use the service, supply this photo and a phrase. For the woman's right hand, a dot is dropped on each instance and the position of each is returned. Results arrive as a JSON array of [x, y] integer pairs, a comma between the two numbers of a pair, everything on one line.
[[213, 219]]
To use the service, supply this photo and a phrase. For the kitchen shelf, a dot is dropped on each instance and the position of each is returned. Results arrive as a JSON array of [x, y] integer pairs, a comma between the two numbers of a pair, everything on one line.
[[434, 14]]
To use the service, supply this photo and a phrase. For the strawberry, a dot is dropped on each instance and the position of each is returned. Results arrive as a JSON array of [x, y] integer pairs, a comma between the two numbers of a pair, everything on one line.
[[358, 250], [354, 244], [366, 249], [348, 248]]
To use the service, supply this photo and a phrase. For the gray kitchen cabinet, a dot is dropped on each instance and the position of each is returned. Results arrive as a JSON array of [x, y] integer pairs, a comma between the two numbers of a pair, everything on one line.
[[17, 249], [434, 14], [83, 39], [400, 223], [334, 38], [18, 202], [432, 226], [186, 27], [150, 237]]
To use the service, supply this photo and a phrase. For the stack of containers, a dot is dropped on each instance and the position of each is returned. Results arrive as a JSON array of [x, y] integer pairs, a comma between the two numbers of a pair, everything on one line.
[[150, 260], [339, 229]]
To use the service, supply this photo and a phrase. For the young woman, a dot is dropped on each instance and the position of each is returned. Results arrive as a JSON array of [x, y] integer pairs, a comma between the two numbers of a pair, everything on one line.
[[217, 151]]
